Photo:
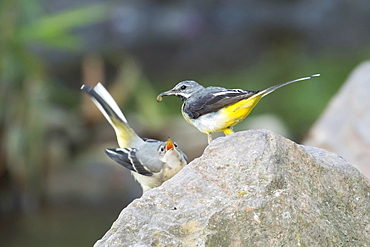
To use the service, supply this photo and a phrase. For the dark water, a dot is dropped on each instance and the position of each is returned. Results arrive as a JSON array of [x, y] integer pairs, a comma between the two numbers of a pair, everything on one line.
[[58, 226]]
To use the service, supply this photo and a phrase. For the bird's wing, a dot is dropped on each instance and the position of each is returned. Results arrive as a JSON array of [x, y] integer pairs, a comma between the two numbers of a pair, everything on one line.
[[214, 101], [127, 158], [126, 136]]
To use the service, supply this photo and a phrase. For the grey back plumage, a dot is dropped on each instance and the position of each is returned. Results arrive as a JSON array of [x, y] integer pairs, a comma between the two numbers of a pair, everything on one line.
[[199, 100], [154, 160], [135, 158]]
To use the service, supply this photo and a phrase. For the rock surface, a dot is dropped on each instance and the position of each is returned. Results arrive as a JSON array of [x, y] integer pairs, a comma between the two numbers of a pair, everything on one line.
[[252, 188], [344, 127]]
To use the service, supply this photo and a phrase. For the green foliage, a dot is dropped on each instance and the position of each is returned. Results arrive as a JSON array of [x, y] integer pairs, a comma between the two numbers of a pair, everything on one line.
[[24, 95], [54, 30]]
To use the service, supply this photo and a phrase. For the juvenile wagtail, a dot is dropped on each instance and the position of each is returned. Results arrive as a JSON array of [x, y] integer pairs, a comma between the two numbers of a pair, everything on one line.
[[151, 162], [217, 109]]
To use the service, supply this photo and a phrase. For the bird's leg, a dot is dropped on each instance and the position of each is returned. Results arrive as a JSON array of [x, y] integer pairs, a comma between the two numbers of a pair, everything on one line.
[[228, 131], [209, 138]]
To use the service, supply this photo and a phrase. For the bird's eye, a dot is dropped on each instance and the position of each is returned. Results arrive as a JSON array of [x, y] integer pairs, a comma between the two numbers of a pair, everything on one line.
[[162, 148], [175, 144], [183, 87]]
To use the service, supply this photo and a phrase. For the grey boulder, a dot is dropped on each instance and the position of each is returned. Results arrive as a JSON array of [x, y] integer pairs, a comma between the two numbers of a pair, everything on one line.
[[344, 127], [252, 188]]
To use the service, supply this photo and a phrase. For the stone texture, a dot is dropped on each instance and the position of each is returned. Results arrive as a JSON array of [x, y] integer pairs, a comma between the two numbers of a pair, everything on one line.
[[252, 188], [344, 127]]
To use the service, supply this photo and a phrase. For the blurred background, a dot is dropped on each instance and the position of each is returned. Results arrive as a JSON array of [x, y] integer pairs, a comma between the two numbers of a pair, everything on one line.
[[57, 187]]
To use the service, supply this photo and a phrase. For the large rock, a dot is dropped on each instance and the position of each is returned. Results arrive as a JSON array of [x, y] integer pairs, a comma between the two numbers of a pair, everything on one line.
[[344, 127], [252, 188]]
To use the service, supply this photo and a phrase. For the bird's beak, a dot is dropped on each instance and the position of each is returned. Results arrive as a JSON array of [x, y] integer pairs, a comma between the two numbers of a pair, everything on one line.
[[169, 144], [167, 93]]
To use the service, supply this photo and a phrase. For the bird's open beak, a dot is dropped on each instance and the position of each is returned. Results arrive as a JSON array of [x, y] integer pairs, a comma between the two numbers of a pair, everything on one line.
[[167, 93], [169, 144]]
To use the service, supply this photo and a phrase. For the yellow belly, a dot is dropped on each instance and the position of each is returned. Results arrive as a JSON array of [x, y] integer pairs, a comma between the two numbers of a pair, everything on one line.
[[227, 117], [237, 112]]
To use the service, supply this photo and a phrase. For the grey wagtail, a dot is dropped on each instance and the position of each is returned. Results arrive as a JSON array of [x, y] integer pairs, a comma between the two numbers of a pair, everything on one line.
[[151, 162], [217, 109]]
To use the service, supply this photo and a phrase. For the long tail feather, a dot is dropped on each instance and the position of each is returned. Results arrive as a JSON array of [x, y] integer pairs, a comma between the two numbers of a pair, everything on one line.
[[273, 88], [107, 97], [126, 136]]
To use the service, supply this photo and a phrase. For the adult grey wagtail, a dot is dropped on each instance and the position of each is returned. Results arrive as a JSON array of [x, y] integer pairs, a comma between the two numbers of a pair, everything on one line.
[[217, 109], [151, 162]]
